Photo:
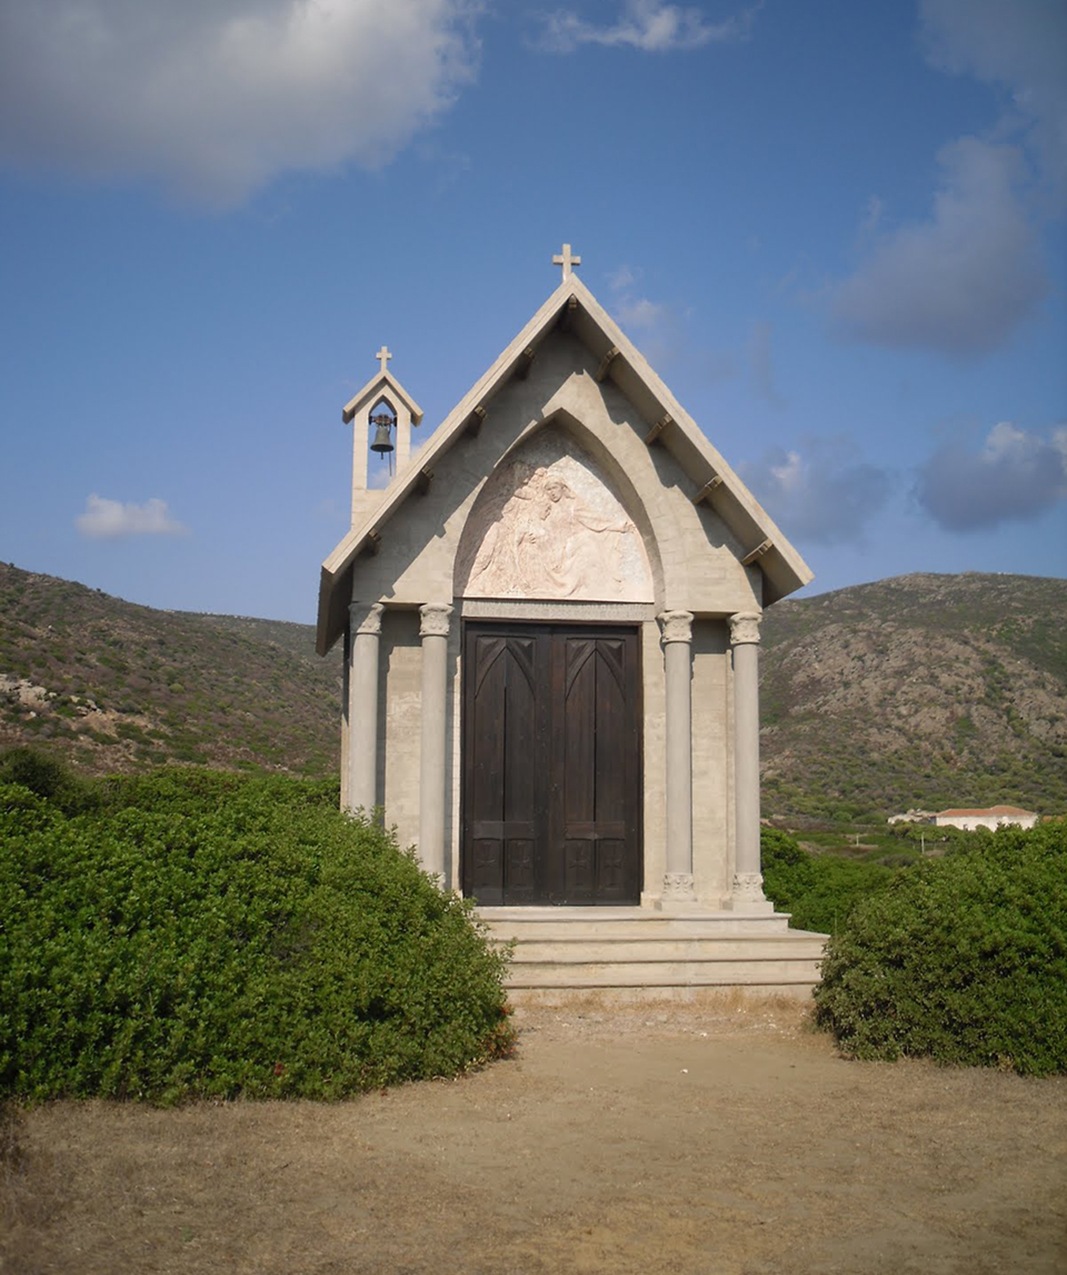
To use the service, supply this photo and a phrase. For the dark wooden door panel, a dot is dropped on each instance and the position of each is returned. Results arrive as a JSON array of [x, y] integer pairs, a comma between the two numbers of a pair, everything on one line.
[[551, 773], [614, 870], [579, 871], [484, 868], [520, 870], [576, 727]]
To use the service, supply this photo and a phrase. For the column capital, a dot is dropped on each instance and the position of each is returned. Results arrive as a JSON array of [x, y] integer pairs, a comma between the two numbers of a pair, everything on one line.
[[435, 618], [677, 626], [744, 627], [365, 617]]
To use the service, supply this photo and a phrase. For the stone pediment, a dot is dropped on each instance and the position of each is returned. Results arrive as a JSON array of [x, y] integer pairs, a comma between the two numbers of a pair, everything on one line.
[[383, 386], [662, 424]]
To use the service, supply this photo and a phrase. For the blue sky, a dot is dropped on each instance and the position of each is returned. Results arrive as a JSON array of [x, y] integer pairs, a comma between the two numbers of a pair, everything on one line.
[[836, 229]]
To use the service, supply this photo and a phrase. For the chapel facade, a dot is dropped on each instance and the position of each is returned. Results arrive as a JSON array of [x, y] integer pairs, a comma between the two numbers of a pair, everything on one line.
[[551, 621]]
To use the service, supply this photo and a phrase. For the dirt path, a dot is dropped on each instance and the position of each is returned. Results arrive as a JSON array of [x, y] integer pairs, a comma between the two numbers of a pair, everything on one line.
[[690, 1140]]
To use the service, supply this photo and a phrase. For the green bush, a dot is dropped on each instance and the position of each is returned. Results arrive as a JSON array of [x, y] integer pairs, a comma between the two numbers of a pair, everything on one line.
[[963, 959], [46, 777], [190, 790], [210, 934], [818, 890]]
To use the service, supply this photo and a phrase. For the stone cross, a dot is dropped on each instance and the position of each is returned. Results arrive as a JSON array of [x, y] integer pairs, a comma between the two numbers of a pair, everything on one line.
[[565, 260], [383, 356]]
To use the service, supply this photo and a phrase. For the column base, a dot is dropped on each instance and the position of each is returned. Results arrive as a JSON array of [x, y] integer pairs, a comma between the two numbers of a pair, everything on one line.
[[747, 894], [677, 890]]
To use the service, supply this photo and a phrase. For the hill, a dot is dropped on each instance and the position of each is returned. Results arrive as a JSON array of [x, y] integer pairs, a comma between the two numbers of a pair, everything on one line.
[[924, 690], [113, 686]]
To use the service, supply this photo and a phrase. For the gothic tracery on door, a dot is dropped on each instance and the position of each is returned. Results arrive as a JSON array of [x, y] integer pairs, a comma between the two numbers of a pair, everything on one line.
[[551, 764]]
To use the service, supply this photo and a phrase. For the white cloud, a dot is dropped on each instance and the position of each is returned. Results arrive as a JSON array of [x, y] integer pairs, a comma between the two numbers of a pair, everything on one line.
[[761, 363], [960, 282], [105, 519], [1016, 476], [633, 312], [963, 280], [639, 312], [1021, 44], [873, 217], [214, 98], [822, 493], [622, 278], [649, 25]]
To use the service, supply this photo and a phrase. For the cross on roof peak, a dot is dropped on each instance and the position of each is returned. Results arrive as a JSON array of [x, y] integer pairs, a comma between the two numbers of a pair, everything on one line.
[[566, 260], [383, 356]]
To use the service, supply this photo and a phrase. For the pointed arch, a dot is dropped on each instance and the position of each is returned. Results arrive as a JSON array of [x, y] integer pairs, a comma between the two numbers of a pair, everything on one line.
[[384, 398], [550, 522]]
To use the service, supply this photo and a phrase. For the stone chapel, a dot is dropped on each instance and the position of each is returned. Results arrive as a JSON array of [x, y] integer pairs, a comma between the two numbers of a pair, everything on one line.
[[551, 623]]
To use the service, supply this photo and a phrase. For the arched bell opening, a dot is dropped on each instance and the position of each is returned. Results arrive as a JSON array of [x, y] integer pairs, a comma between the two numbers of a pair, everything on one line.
[[381, 442]]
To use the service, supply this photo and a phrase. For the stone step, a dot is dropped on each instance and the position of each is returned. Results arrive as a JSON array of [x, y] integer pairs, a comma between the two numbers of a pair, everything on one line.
[[506, 923], [578, 949], [630, 912], [665, 974], [625, 950], [614, 931], [717, 995]]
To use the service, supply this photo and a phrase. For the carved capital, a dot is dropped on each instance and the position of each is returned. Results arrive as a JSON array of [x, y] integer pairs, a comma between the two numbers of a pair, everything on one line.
[[677, 626], [678, 887], [744, 627], [435, 617], [748, 888], [364, 617]]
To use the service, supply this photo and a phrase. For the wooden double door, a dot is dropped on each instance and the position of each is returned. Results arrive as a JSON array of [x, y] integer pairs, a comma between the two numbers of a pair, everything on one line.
[[551, 764]]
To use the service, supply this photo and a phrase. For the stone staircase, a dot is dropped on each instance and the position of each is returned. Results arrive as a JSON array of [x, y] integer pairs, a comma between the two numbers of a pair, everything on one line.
[[633, 953]]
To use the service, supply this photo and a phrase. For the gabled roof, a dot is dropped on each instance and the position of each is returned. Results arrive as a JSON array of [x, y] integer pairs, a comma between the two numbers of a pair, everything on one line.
[[384, 385], [669, 425]]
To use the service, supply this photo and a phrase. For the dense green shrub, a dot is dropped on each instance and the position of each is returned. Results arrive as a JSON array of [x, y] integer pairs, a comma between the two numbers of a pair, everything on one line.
[[221, 935], [818, 890], [963, 959], [47, 777], [193, 790]]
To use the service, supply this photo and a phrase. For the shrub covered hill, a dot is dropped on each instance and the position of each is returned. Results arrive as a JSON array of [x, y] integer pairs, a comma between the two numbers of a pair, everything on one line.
[[921, 691], [924, 690], [112, 686]]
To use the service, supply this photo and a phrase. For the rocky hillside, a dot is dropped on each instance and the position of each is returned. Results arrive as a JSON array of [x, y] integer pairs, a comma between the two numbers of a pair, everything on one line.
[[924, 690], [112, 686]]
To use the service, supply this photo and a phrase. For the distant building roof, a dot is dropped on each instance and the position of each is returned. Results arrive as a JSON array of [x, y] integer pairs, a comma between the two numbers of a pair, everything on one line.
[[989, 810]]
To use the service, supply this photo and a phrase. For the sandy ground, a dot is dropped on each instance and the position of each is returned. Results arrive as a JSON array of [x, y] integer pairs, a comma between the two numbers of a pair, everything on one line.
[[710, 1140]]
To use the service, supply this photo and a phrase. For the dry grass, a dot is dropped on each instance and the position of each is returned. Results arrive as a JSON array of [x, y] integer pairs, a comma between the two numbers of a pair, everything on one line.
[[635, 1140]]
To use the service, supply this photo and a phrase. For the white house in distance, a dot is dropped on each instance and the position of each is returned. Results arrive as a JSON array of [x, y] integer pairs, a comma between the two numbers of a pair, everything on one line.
[[551, 618], [992, 817]]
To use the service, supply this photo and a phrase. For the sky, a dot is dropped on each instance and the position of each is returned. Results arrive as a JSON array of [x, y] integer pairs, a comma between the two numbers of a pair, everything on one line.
[[836, 230]]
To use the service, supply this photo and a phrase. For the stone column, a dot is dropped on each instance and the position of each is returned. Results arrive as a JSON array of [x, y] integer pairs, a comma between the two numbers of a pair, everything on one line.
[[365, 626], [677, 658], [434, 633], [346, 734], [747, 891]]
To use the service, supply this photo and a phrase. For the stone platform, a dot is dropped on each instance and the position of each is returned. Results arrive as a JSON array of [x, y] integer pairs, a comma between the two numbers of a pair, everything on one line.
[[633, 953]]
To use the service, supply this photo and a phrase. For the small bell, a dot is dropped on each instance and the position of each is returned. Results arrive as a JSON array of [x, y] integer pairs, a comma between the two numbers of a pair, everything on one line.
[[383, 424]]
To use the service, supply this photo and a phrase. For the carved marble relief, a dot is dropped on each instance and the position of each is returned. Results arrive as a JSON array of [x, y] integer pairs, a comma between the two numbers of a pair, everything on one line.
[[547, 525]]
